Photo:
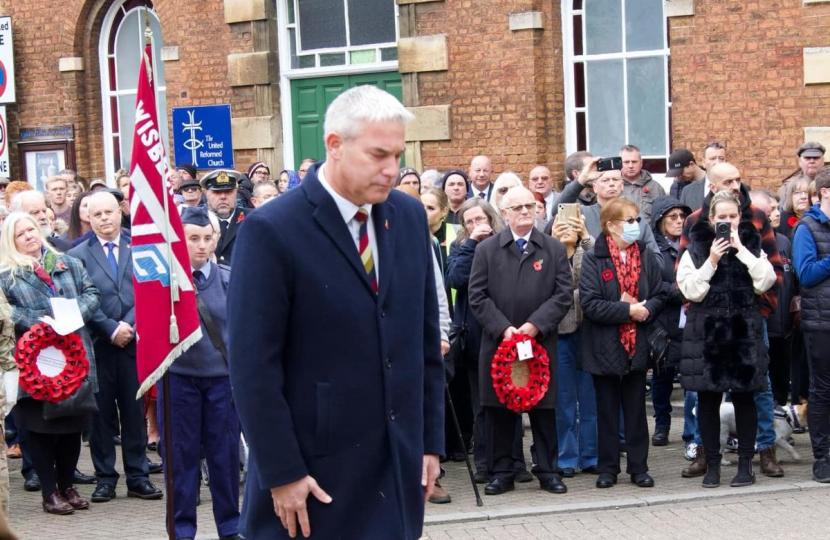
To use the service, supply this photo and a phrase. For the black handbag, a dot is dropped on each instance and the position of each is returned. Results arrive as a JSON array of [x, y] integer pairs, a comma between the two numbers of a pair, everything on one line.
[[81, 403], [458, 341], [658, 344]]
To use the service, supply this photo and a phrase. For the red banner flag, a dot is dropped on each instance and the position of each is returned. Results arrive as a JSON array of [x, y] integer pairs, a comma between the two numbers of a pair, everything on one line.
[[166, 320]]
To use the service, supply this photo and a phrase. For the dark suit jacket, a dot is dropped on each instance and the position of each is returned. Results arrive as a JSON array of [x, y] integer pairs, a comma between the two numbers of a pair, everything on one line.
[[224, 248], [117, 299], [329, 378], [508, 288], [59, 243], [692, 195], [489, 191]]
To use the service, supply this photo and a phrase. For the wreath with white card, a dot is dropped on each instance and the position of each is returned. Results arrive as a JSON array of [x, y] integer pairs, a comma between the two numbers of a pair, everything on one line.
[[52, 367], [520, 384]]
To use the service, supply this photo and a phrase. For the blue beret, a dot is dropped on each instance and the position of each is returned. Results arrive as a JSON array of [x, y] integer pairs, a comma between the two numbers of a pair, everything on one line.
[[195, 215]]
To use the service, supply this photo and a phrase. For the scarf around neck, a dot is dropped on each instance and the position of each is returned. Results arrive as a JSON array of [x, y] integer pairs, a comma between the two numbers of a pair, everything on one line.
[[628, 274]]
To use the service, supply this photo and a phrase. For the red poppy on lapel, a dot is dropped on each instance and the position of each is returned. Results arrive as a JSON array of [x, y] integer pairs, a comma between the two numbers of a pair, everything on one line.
[[386, 224], [241, 217], [60, 265], [607, 275], [645, 190], [792, 220], [538, 265]]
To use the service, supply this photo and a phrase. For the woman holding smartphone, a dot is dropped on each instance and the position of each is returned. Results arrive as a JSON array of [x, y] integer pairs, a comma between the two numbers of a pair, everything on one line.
[[722, 273]]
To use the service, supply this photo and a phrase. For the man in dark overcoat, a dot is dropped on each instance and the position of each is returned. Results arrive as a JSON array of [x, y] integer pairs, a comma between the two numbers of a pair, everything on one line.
[[335, 353], [520, 283]]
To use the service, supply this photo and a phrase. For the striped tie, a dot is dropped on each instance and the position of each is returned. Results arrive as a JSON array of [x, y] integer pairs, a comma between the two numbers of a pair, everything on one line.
[[362, 216]]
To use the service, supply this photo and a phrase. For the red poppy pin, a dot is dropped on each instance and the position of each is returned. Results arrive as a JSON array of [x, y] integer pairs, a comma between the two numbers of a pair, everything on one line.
[[645, 190], [240, 218], [60, 265], [538, 264], [607, 275], [386, 224], [792, 220]]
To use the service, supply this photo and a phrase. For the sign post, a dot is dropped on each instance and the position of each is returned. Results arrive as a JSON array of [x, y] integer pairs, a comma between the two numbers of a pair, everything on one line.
[[202, 136], [7, 90]]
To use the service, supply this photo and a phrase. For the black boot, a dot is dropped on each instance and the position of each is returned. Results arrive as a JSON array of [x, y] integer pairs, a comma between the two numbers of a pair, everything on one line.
[[745, 476], [712, 478]]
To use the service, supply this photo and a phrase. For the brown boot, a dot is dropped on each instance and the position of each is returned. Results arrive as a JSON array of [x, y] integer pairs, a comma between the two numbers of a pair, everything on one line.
[[439, 495], [698, 466], [769, 466]]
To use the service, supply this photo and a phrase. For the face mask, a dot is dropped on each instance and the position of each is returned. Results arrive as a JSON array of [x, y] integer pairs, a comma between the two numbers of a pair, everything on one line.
[[631, 232]]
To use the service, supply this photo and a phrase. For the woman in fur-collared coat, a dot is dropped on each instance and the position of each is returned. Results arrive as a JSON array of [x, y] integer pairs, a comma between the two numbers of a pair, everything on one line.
[[723, 347]]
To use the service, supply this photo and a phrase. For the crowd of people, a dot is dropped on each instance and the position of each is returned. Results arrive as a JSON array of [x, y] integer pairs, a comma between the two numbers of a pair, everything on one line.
[[718, 285]]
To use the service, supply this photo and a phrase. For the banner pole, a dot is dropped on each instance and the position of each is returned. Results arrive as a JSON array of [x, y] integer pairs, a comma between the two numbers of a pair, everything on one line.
[[168, 459]]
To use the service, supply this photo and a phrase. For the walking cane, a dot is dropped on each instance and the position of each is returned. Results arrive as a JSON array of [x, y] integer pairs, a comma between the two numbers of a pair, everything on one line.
[[463, 446]]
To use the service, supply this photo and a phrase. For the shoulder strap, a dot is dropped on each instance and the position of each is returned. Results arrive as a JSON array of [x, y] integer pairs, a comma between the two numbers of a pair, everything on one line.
[[213, 332]]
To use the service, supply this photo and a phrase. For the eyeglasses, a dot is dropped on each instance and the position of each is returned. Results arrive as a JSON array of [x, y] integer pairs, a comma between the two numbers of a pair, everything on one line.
[[188, 189], [537, 178], [519, 207], [503, 190], [678, 215], [262, 173], [475, 221], [801, 193], [631, 220]]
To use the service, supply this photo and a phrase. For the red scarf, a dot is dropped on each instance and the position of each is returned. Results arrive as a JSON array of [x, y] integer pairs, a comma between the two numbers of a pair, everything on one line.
[[628, 274], [44, 277]]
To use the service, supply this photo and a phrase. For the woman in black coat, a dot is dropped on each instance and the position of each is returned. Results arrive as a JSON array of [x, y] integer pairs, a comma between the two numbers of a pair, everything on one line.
[[621, 291], [668, 215], [723, 346]]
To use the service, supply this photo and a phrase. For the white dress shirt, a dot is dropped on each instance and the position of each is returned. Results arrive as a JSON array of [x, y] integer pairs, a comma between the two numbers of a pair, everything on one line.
[[526, 237], [115, 249], [348, 210]]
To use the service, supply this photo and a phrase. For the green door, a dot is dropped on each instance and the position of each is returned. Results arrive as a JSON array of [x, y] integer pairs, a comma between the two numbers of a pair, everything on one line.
[[311, 97]]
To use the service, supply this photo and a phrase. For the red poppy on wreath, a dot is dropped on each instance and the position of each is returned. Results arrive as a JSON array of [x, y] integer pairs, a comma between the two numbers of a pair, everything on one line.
[[43, 387], [520, 398], [607, 275], [538, 265], [240, 218], [792, 220]]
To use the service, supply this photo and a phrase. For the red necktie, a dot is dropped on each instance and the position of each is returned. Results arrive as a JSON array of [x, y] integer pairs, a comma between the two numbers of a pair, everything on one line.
[[365, 250]]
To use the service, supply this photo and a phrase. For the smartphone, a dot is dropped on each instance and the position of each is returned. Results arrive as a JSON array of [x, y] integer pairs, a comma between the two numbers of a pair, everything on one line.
[[723, 229], [567, 211], [610, 164]]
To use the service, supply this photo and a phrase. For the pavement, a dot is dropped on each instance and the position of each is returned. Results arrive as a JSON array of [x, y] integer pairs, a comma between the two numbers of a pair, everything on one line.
[[528, 508]]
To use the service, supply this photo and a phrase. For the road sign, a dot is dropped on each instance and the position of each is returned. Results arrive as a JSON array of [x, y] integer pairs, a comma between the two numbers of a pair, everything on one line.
[[4, 144], [202, 136], [7, 90]]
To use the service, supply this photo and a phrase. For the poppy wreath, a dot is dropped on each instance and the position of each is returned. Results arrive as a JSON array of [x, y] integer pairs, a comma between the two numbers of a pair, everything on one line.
[[61, 386], [520, 398]]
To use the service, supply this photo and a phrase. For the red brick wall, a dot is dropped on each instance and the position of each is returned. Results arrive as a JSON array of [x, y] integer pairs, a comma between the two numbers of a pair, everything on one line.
[[47, 96], [505, 87], [737, 77]]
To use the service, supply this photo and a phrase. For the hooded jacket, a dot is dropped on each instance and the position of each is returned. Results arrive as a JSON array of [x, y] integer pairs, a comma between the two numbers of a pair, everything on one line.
[[811, 253], [643, 192]]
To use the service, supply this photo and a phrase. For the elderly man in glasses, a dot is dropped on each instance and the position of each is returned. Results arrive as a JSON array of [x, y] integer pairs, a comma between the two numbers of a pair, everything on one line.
[[520, 283], [608, 186]]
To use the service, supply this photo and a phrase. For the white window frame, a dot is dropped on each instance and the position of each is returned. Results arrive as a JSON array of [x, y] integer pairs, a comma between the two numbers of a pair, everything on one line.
[[287, 74], [570, 58], [106, 109]]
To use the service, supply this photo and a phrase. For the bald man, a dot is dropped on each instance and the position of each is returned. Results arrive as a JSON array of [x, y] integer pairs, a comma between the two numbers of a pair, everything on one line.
[[106, 256], [481, 172]]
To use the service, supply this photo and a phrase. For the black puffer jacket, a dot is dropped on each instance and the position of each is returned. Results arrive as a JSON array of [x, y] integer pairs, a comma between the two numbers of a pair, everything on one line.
[[669, 318], [723, 345], [600, 349]]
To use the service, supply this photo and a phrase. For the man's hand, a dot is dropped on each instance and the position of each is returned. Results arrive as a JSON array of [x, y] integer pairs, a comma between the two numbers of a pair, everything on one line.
[[123, 335], [589, 172], [509, 332], [445, 347], [429, 474], [638, 312], [528, 329], [290, 503]]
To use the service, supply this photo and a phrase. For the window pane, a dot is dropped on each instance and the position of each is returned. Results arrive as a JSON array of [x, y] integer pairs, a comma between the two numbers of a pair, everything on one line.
[[362, 57], [128, 46], [126, 115], [647, 105], [371, 21], [606, 121], [332, 59], [579, 84], [578, 35], [161, 105], [292, 38], [307, 61], [644, 25], [158, 42], [322, 24], [389, 55], [290, 11], [603, 26]]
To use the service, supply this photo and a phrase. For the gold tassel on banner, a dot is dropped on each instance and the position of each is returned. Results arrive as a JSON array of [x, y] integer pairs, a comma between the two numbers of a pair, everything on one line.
[[174, 330]]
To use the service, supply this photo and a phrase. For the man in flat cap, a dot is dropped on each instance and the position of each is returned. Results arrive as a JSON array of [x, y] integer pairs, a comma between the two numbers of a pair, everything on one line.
[[202, 413], [220, 191], [191, 193], [811, 159]]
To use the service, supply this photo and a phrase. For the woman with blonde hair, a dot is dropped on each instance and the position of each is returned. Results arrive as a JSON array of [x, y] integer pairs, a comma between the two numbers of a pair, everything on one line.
[[31, 275]]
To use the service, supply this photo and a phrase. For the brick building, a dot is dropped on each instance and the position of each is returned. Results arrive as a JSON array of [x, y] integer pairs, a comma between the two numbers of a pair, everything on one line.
[[524, 81]]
